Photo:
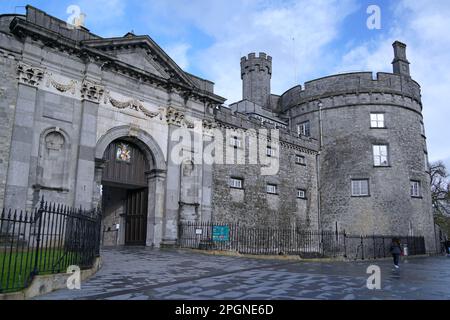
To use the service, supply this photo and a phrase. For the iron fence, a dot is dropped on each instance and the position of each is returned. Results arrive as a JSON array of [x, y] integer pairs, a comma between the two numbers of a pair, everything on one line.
[[47, 240], [290, 241]]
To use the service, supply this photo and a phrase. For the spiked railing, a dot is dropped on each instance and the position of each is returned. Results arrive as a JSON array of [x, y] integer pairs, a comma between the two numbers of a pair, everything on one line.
[[46, 240]]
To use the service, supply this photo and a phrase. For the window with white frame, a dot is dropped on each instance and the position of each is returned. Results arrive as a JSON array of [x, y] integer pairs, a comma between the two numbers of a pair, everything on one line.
[[271, 188], [360, 188], [377, 120], [380, 155], [415, 189], [301, 194], [235, 142], [303, 129], [300, 159], [236, 183]]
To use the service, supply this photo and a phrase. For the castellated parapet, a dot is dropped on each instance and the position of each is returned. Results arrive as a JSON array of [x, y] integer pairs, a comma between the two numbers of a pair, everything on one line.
[[256, 73], [394, 88]]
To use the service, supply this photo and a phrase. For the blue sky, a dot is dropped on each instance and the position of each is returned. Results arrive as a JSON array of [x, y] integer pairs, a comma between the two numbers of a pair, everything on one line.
[[307, 39]]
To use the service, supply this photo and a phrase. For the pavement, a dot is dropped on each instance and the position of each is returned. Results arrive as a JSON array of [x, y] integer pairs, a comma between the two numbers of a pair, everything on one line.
[[140, 273]]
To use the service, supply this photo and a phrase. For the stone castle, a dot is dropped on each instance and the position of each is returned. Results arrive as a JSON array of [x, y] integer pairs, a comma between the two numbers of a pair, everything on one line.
[[88, 121]]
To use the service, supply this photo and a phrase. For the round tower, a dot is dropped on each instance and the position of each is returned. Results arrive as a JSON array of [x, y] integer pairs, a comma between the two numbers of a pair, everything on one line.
[[256, 73], [373, 152]]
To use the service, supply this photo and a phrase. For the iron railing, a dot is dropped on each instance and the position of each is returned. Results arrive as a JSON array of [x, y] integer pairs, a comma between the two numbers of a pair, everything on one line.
[[47, 240], [291, 241]]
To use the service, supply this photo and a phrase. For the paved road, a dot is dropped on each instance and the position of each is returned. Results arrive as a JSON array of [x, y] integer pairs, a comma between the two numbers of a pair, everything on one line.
[[143, 273]]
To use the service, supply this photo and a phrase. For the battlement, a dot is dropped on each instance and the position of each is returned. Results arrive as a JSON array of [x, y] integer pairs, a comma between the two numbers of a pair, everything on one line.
[[251, 62], [239, 121], [351, 83]]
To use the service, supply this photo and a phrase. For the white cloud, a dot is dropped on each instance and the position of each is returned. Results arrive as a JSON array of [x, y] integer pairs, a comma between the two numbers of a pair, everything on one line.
[[179, 53], [424, 27], [291, 32]]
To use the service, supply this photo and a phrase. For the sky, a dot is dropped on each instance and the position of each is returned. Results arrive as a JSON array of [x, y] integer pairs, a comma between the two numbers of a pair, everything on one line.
[[307, 40]]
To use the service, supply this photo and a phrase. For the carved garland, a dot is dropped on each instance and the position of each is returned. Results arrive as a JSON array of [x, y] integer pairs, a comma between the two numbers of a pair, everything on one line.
[[61, 87], [134, 104]]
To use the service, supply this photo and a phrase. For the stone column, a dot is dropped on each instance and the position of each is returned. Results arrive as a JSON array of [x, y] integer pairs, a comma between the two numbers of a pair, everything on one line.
[[97, 196], [90, 94], [170, 232], [22, 137], [156, 185]]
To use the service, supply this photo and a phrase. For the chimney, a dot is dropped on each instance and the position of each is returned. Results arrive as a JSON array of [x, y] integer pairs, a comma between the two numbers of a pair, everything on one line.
[[400, 63]]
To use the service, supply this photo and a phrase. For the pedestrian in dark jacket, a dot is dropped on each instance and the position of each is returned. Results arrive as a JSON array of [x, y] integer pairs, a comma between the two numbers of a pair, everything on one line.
[[396, 251]]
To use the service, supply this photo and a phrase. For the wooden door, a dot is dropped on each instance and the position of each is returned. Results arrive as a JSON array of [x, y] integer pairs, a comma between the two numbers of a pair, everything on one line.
[[136, 217]]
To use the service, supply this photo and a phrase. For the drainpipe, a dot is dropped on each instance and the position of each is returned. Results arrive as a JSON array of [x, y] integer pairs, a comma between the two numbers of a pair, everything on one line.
[[320, 105]]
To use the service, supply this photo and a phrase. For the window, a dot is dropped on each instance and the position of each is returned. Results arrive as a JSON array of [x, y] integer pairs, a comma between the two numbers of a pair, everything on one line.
[[377, 120], [360, 188], [415, 189], [301, 194], [303, 129], [300, 160], [270, 152], [236, 183], [271, 188], [380, 155], [235, 142], [425, 155]]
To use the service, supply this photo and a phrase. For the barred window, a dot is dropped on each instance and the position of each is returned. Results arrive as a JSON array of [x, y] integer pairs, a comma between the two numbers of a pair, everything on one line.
[[271, 188], [236, 183], [360, 188], [415, 189], [270, 152]]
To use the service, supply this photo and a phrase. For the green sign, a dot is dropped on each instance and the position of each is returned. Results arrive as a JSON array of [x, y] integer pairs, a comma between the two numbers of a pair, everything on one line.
[[221, 233]]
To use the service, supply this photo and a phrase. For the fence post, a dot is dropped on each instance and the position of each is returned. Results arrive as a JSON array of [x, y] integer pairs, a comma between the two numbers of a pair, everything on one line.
[[362, 248], [39, 214], [345, 244]]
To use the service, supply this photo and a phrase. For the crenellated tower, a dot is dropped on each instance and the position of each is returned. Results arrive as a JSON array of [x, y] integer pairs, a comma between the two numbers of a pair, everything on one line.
[[256, 73]]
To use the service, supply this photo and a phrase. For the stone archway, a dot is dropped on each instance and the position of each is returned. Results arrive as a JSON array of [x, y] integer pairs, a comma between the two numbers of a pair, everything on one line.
[[155, 176]]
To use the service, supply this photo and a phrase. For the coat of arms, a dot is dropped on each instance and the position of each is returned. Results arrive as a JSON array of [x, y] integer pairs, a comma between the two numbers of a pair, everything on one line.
[[123, 152]]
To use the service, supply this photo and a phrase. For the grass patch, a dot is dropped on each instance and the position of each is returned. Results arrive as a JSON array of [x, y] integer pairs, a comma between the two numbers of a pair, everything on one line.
[[16, 267]]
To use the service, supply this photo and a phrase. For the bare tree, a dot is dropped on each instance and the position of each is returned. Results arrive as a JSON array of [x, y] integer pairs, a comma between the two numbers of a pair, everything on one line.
[[440, 186]]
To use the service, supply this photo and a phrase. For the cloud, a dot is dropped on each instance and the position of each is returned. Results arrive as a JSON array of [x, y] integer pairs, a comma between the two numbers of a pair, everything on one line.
[[424, 28], [292, 32], [179, 53]]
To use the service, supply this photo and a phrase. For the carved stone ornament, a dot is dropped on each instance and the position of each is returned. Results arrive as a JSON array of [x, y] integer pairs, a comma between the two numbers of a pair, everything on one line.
[[91, 91], [134, 104], [61, 87], [29, 75], [176, 117]]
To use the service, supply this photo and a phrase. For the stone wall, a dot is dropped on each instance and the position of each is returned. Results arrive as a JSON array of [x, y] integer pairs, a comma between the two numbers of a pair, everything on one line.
[[252, 205], [8, 96]]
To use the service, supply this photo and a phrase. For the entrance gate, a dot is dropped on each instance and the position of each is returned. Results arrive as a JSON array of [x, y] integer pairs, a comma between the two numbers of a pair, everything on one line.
[[125, 191]]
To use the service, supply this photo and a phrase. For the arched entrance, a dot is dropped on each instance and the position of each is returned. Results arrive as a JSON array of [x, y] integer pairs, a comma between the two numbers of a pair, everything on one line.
[[125, 193], [145, 180]]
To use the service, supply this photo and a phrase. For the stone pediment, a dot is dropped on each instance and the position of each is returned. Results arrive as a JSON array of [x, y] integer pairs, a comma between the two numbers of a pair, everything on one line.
[[143, 53]]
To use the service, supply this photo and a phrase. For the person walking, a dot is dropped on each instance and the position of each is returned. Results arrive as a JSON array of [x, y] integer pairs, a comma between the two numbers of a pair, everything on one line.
[[396, 250]]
